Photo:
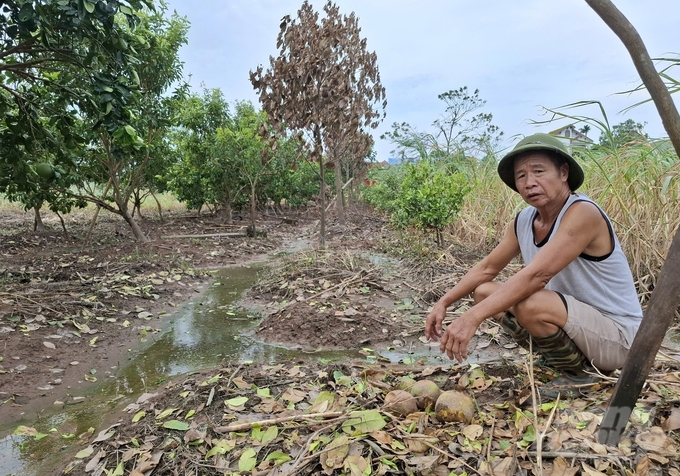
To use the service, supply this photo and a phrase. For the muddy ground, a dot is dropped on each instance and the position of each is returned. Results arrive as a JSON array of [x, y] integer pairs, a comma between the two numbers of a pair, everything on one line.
[[70, 305]]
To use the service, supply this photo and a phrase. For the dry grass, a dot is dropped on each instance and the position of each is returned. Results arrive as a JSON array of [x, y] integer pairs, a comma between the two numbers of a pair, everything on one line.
[[638, 186], [168, 203]]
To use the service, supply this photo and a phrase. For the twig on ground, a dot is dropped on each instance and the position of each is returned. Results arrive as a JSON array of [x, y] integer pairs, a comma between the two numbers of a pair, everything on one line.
[[274, 421]]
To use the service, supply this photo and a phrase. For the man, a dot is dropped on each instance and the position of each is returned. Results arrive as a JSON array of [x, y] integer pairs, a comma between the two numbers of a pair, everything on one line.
[[575, 297]]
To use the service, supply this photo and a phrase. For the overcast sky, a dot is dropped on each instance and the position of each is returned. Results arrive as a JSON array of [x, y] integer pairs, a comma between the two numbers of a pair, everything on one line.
[[522, 55]]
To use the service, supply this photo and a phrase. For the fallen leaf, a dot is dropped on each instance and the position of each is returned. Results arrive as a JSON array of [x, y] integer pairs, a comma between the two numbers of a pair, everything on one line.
[[673, 421], [473, 431], [248, 460], [176, 425], [92, 464], [293, 395], [562, 468], [590, 471], [105, 434], [335, 453], [364, 422], [655, 440], [49, 345], [82, 454], [165, 413]]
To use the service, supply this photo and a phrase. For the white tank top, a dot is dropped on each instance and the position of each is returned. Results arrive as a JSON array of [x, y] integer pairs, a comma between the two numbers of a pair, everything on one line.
[[604, 282]]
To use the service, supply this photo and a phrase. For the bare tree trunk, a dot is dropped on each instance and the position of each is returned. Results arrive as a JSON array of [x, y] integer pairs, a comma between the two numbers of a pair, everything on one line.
[[339, 194], [123, 210], [137, 206], [38, 224], [322, 199], [665, 298], [63, 225], [158, 204], [136, 230], [318, 154], [252, 210], [93, 222], [228, 210]]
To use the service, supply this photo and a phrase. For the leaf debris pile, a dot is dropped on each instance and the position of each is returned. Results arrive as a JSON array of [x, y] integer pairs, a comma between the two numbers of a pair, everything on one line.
[[339, 300], [287, 418]]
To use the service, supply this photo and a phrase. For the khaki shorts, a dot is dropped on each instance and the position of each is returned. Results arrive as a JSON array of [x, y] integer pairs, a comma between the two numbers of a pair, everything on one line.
[[597, 336]]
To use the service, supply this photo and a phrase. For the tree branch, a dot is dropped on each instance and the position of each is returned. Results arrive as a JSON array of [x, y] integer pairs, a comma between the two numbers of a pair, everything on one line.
[[630, 38]]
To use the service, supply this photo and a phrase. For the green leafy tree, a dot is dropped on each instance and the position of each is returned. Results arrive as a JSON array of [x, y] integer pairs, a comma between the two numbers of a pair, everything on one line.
[[205, 174], [56, 57], [297, 184], [430, 197], [624, 133], [385, 187], [242, 146], [460, 131], [126, 156]]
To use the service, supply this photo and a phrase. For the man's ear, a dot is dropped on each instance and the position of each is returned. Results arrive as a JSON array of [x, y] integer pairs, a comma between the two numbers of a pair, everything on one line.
[[564, 170]]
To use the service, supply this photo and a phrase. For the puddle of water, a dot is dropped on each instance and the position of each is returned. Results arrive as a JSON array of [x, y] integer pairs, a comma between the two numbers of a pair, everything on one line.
[[203, 334]]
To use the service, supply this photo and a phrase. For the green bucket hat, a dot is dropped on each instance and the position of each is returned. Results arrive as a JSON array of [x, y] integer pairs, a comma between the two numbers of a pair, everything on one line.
[[545, 142]]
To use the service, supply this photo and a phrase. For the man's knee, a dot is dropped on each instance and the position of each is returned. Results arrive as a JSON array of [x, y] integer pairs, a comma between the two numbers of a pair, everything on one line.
[[484, 290]]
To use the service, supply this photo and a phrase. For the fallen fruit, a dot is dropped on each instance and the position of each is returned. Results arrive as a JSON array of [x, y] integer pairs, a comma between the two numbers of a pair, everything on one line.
[[426, 393], [400, 402], [454, 406], [405, 383]]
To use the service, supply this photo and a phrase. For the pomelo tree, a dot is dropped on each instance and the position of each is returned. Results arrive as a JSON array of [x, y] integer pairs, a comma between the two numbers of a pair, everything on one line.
[[55, 56]]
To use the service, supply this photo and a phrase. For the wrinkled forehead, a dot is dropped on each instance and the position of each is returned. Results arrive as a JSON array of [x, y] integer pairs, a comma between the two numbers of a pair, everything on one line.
[[537, 158]]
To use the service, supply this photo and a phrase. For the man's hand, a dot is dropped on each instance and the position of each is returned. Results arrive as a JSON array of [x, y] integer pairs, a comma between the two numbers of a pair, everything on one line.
[[433, 325], [456, 338]]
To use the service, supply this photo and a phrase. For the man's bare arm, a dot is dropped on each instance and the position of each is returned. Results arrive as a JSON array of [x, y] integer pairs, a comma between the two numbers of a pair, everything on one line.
[[484, 271]]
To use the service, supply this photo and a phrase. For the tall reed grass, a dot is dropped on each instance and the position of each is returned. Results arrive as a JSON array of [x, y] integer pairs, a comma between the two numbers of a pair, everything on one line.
[[637, 185]]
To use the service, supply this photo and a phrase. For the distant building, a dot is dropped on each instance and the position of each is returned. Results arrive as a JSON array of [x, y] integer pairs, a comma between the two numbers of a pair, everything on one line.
[[572, 137], [378, 165]]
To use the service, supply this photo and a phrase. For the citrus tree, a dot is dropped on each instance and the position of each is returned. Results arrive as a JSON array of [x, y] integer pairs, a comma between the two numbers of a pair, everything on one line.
[[430, 197], [56, 57], [205, 174]]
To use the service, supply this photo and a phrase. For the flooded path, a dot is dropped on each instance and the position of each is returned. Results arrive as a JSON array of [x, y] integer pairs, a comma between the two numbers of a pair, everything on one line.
[[204, 333]]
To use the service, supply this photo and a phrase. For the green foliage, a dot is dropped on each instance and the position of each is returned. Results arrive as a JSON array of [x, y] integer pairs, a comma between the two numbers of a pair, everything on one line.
[[624, 133], [296, 185], [202, 176], [56, 60], [425, 194], [385, 189], [430, 197]]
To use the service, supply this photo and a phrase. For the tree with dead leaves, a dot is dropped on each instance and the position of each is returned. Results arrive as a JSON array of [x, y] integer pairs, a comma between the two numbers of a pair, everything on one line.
[[323, 83]]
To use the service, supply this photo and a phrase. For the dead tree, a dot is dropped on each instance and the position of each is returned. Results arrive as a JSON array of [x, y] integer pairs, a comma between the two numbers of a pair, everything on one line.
[[322, 81]]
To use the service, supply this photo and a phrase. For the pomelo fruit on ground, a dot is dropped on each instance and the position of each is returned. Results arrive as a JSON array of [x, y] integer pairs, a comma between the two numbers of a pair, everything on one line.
[[426, 393], [454, 406], [405, 383], [400, 402]]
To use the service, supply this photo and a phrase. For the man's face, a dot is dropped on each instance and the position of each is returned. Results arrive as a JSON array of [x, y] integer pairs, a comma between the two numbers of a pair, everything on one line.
[[539, 180]]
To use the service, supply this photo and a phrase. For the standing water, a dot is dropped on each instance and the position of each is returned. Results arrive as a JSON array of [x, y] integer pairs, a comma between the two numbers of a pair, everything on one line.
[[202, 334]]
